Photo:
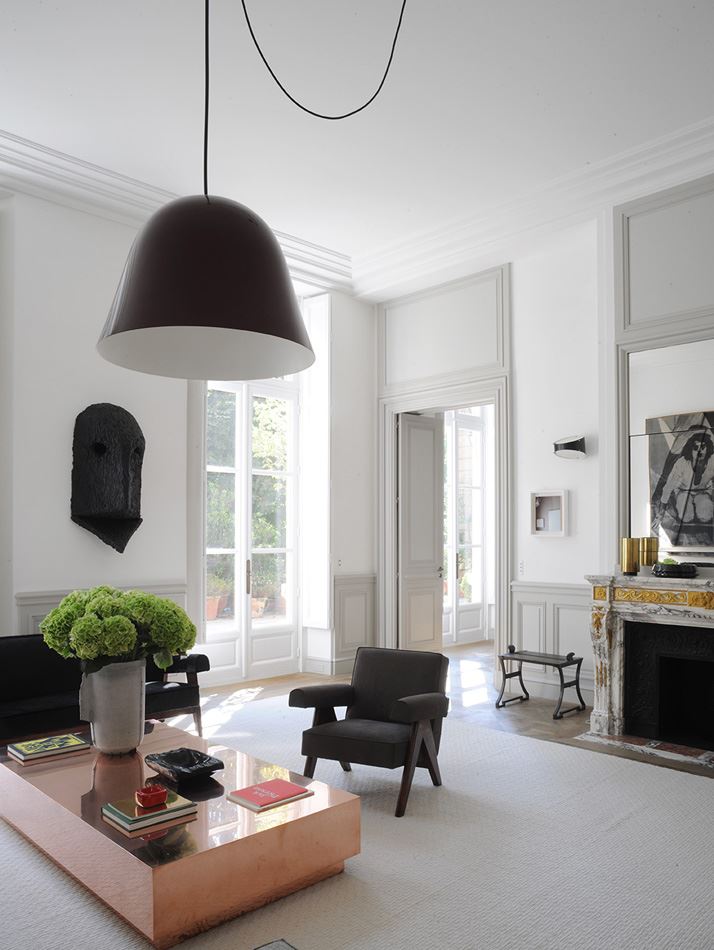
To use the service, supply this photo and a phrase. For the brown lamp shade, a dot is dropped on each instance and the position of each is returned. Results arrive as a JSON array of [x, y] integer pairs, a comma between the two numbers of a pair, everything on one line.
[[206, 294]]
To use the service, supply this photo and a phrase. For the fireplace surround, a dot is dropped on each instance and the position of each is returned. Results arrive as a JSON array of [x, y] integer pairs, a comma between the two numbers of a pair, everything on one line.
[[652, 636]]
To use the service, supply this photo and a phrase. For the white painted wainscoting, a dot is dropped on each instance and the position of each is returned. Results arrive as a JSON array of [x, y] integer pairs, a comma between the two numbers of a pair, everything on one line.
[[33, 607], [552, 618], [354, 626]]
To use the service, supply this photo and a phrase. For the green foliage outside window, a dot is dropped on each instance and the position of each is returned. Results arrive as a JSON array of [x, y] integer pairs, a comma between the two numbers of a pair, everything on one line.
[[269, 439]]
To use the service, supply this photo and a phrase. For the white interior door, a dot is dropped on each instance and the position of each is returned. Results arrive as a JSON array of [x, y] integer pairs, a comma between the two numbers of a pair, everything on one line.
[[420, 531]]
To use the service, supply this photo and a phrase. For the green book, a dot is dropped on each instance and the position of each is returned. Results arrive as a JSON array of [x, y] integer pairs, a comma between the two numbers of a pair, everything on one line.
[[128, 813], [52, 745]]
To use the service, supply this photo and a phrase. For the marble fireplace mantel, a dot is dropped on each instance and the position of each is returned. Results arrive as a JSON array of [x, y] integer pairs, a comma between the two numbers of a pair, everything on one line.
[[618, 598]]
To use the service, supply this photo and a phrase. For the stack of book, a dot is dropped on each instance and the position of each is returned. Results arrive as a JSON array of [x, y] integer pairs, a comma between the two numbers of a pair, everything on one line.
[[133, 820], [48, 749]]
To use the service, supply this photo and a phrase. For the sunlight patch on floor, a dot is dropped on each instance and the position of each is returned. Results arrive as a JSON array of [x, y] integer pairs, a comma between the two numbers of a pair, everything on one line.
[[243, 696], [474, 697], [471, 674]]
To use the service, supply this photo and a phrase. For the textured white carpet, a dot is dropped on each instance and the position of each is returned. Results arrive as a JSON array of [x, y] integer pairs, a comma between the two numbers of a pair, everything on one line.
[[528, 845]]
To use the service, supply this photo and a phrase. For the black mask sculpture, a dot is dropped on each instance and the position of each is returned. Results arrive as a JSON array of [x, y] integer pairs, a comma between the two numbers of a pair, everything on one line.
[[107, 453]]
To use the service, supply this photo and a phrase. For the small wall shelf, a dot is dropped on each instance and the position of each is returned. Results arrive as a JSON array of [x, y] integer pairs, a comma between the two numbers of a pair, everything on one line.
[[549, 513]]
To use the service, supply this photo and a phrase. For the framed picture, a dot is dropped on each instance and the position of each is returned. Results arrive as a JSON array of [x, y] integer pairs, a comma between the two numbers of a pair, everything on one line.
[[681, 480], [549, 513]]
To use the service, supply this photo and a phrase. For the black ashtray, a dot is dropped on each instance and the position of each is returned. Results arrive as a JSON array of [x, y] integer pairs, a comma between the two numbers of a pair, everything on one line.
[[674, 570], [183, 765]]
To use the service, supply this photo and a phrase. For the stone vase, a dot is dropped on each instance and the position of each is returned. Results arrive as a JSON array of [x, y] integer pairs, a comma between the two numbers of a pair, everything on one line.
[[112, 700]]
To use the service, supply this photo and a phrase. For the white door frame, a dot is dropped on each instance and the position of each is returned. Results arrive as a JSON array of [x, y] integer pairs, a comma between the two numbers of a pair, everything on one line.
[[494, 390]]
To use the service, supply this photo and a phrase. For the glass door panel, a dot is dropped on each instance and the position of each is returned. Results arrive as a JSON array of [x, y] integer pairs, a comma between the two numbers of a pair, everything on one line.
[[272, 543], [464, 525]]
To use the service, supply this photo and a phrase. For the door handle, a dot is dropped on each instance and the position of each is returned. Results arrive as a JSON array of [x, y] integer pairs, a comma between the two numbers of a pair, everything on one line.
[[248, 577], [440, 572]]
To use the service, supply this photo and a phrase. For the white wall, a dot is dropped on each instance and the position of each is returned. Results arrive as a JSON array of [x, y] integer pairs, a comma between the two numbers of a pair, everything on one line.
[[6, 379], [555, 394], [66, 266], [338, 482], [353, 436]]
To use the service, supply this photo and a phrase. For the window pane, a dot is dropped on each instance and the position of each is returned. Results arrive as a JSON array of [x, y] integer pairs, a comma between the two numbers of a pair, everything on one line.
[[269, 512], [220, 428], [220, 510], [469, 515], [270, 433], [469, 457], [469, 575], [269, 586], [220, 586], [476, 575]]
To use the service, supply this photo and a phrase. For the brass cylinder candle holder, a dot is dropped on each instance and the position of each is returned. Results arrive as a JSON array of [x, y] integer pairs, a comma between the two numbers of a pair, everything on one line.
[[649, 551], [629, 553]]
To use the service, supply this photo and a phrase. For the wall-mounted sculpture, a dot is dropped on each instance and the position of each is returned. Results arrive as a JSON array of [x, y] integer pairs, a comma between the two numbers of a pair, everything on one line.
[[107, 454]]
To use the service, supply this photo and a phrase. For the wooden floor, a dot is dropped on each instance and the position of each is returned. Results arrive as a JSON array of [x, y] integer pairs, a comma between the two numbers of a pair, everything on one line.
[[473, 697]]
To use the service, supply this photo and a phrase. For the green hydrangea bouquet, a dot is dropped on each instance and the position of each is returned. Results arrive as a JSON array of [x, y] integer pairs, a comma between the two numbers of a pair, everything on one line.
[[104, 625]]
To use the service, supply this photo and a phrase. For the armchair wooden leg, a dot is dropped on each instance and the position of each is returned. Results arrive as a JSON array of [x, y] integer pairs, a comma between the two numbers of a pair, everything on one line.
[[310, 763], [197, 720], [415, 742], [346, 767], [430, 749]]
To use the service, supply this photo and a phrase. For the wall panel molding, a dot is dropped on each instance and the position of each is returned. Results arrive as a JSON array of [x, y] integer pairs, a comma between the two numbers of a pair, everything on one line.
[[683, 210], [355, 615], [426, 313], [33, 606], [556, 617]]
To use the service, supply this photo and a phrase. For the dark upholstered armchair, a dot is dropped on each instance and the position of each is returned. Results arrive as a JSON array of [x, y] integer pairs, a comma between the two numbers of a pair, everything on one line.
[[395, 705], [39, 689]]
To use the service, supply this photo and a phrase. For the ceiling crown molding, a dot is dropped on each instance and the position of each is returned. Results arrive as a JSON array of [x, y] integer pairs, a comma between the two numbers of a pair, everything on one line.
[[468, 245], [29, 168]]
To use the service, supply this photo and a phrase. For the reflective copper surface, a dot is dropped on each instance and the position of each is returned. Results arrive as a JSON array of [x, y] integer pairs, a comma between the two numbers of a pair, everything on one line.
[[171, 886]]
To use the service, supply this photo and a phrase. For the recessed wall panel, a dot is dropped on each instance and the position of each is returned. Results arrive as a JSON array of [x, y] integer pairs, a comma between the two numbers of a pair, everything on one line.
[[450, 330]]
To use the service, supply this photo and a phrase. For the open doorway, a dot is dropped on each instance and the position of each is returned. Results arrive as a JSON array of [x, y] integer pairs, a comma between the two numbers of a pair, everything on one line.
[[493, 391], [445, 527], [469, 603]]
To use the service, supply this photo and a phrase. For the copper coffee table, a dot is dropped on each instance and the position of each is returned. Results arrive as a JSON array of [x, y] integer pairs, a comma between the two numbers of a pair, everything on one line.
[[226, 862]]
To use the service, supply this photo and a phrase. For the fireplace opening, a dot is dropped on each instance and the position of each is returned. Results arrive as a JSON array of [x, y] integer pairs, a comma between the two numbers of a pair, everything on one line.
[[669, 683], [686, 701]]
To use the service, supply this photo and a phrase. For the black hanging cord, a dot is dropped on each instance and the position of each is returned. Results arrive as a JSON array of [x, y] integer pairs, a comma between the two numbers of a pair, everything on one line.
[[205, 107], [319, 115]]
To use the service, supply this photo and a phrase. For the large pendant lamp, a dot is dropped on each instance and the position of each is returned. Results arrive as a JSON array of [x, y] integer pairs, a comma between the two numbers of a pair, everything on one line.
[[206, 292]]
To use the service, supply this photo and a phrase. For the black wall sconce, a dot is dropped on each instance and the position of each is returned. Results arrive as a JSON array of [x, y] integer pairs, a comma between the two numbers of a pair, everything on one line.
[[572, 447]]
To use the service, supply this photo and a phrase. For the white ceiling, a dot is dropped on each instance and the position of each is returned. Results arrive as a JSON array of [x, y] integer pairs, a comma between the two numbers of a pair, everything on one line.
[[487, 100]]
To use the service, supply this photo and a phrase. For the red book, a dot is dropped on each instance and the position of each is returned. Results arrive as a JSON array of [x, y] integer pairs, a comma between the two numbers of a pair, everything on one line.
[[269, 794]]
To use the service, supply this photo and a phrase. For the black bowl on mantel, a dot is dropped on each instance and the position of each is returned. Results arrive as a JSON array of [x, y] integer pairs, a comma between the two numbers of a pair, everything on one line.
[[674, 570]]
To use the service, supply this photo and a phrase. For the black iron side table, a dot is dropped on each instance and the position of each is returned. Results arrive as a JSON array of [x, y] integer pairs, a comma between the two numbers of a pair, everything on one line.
[[543, 659]]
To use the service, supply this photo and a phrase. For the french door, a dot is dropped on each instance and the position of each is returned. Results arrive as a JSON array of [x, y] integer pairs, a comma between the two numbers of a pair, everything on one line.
[[468, 525], [251, 534], [420, 539]]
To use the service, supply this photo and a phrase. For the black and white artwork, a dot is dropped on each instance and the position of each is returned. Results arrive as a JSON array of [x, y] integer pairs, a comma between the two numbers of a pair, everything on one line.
[[681, 470]]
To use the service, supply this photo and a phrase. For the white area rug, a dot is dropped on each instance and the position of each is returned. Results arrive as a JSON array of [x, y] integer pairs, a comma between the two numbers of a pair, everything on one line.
[[528, 845]]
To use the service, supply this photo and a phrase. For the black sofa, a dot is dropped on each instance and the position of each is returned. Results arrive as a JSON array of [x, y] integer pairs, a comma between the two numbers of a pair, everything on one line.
[[39, 689]]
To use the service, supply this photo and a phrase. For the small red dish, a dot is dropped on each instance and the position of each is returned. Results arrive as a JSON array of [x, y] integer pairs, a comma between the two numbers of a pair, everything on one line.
[[150, 795]]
